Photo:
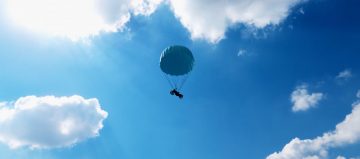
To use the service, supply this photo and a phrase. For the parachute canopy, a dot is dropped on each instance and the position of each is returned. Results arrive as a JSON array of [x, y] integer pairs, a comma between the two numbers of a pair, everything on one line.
[[176, 60]]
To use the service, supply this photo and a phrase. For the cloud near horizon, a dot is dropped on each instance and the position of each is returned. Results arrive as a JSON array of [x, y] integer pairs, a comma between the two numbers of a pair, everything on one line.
[[346, 133], [50, 122], [204, 19]]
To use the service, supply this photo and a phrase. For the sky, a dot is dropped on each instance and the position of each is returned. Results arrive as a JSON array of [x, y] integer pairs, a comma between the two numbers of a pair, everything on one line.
[[273, 79]]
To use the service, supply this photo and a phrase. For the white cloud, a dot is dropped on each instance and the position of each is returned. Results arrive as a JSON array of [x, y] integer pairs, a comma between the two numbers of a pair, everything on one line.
[[50, 122], [205, 19], [209, 19], [347, 132], [342, 157], [76, 19], [145, 7], [2, 104], [346, 74], [302, 100]]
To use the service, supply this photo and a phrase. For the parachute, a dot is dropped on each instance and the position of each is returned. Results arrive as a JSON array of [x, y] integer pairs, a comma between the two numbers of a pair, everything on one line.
[[176, 62]]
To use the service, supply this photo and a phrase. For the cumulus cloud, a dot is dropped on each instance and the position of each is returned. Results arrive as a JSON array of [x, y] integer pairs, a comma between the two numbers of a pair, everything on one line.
[[346, 132], [50, 122], [76, 19], [205, 19], [302, 100], [209, 19]]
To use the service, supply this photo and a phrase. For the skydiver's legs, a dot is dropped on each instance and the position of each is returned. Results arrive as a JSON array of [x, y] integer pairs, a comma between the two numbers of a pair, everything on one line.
[[179, 94]]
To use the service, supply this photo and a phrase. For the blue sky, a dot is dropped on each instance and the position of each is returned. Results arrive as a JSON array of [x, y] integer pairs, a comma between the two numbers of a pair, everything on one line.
[[236, 105]]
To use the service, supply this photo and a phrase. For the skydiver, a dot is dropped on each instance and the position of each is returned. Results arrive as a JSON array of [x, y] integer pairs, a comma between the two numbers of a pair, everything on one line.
[[176, 93]]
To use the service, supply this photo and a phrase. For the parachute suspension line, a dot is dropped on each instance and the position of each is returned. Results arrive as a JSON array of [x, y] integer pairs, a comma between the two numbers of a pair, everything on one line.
[[176, 82], [183, 81], [169, 80]]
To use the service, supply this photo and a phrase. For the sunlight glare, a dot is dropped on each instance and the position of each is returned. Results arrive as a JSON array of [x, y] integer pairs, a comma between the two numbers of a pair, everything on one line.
[[74, 19]]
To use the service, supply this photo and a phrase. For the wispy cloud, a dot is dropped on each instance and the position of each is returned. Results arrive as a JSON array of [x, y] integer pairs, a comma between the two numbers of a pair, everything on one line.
[[342, 157], [50, 122], [303, 100], [301, 11], [347, 132], [344, 75], [241, 52]]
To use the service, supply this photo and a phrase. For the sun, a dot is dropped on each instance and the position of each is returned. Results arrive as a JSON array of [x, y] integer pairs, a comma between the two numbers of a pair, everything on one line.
[[74, 19]]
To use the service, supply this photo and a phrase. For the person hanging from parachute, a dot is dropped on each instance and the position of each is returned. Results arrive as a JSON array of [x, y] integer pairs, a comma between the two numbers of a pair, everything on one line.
[[175, 92], [176, 62]]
